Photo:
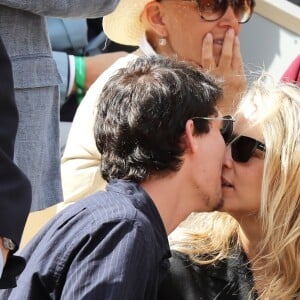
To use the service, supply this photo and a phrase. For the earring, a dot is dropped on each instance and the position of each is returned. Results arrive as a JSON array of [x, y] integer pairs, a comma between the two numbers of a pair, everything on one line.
[[162, 42]]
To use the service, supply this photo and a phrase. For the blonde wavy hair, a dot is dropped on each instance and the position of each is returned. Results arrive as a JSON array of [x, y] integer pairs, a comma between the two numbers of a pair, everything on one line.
[[208, 237]]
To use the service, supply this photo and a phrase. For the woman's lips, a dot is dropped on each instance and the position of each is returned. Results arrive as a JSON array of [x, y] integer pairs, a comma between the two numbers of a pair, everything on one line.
[[218, 42], [226, 183]]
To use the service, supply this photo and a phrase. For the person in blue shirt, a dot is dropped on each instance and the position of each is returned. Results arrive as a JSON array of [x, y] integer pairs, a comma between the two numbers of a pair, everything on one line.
[[162, 142]]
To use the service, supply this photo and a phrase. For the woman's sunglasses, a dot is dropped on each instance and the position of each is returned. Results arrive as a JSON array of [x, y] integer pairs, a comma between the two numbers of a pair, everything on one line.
[[227, 126], [243, 147], [213, 10]]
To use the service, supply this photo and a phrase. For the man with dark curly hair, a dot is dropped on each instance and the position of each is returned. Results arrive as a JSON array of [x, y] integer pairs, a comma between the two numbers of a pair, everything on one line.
[[162, 143]]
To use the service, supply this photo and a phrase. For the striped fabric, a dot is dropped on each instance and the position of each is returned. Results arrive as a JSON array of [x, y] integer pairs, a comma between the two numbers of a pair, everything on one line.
[[111, 245]]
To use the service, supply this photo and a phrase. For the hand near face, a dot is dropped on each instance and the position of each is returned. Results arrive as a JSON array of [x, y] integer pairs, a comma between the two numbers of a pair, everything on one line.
[[224, 60]]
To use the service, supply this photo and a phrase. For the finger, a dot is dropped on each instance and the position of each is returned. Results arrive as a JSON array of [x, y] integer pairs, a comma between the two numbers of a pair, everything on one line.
[[207, 57], [237, 60], [227, 49]]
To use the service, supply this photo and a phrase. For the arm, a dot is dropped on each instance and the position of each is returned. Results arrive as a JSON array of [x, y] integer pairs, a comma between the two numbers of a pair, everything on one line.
[[64, 8], [94, 67], [97, 64]]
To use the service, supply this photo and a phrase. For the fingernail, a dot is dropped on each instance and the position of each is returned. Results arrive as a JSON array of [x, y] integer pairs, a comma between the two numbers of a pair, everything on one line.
[[230, 32], [209, 36], [237, 41]]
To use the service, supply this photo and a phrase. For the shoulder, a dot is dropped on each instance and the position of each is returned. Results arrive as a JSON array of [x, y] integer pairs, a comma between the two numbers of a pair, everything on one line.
[[188, 280], [90, 222], [227, 279], [106, 208], [109, 204], [183, 267]]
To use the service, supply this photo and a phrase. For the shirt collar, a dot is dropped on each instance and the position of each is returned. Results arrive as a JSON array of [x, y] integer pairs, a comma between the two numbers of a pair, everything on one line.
[[142, 201], [146, 48]]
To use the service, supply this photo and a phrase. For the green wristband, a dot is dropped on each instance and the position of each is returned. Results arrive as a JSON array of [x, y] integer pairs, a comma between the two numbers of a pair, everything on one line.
[[80, 77]]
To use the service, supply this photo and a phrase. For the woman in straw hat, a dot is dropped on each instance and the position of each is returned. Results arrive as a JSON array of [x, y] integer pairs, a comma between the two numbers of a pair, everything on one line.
[[251, 251], [202, 32]]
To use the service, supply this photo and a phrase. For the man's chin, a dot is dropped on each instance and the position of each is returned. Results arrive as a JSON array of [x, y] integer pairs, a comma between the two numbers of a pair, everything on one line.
[[219, 205]]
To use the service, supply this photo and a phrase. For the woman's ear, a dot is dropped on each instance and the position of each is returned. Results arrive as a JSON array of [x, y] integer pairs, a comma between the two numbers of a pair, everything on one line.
[[190, 138], [153, 18]]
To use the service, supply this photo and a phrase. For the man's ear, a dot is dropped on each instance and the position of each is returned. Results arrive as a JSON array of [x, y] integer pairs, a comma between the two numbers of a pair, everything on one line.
[[153, 16], [190, 137]]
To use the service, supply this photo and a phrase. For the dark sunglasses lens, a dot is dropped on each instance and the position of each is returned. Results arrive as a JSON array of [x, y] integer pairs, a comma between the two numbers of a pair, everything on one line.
[[242, 148], [212, 10], [243, 10], [227, 128]]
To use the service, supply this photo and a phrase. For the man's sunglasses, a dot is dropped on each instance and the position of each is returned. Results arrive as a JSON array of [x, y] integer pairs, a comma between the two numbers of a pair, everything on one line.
[[243, 147], [227, 126], [213, 10]]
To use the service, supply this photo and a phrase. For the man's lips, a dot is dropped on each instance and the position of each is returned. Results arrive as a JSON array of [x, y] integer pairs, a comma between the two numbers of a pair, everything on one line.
[[226, 183]]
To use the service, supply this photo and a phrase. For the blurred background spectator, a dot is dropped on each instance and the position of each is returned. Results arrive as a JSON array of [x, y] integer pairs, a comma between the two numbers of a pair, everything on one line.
[[72, 38], [297, 2]]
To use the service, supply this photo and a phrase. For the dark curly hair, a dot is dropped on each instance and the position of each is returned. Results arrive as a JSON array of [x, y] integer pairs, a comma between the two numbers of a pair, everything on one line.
[[142, 113]]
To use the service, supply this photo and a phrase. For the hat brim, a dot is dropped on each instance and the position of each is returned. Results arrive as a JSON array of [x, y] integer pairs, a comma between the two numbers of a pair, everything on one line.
[[124, 24]]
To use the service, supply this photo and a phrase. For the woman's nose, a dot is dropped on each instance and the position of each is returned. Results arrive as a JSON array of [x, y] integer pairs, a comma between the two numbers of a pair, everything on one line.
[[227, 161], [230, 19]]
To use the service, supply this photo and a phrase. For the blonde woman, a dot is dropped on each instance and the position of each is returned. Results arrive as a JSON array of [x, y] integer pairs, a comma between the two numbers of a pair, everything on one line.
[[253, 250], [202, 32]]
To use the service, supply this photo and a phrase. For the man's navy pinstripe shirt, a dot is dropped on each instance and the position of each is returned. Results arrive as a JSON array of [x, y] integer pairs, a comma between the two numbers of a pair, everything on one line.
[[111, 245]]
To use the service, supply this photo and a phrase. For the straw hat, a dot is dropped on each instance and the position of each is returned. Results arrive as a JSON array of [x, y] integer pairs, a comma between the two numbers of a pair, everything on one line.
[[123, 25]]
